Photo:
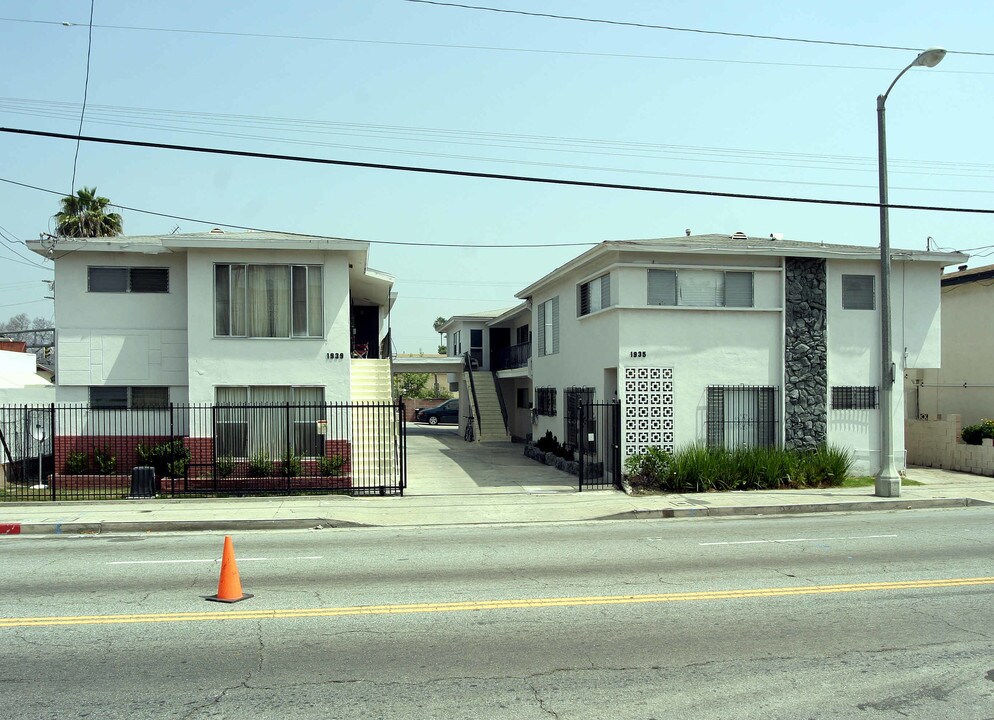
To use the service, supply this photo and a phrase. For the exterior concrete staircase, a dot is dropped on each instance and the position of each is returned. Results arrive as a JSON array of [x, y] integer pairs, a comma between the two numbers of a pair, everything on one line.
[[489, 424], [374, 429]]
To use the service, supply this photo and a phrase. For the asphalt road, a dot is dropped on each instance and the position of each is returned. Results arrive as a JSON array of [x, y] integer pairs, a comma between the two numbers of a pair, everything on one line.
[[875, 615]]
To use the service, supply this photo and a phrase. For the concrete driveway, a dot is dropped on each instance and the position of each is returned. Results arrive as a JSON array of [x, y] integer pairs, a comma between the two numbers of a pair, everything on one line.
[[440, 462]]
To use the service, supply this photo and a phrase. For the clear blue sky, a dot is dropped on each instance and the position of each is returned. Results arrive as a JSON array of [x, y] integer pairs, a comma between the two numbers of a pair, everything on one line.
[[599, 102]]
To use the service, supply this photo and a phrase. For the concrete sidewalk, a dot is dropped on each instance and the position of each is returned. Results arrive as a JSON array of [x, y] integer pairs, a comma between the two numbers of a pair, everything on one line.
[[515, 504]]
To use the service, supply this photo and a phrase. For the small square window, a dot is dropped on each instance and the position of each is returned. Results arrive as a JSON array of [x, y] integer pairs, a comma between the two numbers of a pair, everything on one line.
[[149, 397]]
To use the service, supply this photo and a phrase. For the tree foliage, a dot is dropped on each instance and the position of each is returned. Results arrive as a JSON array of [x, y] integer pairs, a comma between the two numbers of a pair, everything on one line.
[[85, 215], [417, 385]]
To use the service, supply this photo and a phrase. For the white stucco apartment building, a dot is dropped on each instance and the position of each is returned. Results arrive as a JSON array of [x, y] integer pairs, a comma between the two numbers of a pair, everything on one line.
[[729, 340], [209, 317]]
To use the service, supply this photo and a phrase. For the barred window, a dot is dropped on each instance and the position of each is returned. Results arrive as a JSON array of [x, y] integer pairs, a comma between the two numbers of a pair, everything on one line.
[[573, 397], [545, 401], [742, 416], [854, 397]]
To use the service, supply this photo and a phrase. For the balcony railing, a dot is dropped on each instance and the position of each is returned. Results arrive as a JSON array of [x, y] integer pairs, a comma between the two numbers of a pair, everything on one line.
[[512, 357]]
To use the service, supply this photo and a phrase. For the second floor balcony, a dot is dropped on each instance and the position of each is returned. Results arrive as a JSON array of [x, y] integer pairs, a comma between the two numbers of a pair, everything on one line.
[[515, 356]]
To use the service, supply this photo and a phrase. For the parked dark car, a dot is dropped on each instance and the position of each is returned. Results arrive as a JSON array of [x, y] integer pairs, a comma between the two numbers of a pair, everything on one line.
[[447, 412]]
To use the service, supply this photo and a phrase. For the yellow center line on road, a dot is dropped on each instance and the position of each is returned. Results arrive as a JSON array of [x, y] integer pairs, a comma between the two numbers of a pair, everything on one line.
[[479, 605]]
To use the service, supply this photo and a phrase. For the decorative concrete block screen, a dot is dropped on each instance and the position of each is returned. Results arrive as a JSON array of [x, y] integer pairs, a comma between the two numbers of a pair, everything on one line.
[[647, 414]]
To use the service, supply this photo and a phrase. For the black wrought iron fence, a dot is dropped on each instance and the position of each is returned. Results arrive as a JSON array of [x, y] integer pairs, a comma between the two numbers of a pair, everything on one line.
[[206, 450], [597, 431]]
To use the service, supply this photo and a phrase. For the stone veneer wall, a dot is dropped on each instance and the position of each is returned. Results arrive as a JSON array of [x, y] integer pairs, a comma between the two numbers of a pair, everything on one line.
[[805, 354]]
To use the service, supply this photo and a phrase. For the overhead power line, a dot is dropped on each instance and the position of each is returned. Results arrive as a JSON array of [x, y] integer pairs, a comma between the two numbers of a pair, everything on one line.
[[86, 87], [673, 28], [455, 46], [489, 176]]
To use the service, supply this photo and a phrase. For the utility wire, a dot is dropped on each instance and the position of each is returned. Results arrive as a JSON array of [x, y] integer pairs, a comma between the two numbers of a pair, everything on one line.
[[493, 48], [106, 115], [377, 242], [672, 28], [490, 176], [86, 87]]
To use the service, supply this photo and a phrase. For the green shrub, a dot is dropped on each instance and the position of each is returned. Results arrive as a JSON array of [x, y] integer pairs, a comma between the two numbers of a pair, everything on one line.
[[77, 462], [331, 466], [260, 465], [975, 434], [650, 469], [170, 459], [829, 466], [225, 466], [549, 443], [105, 461], [290, 465]]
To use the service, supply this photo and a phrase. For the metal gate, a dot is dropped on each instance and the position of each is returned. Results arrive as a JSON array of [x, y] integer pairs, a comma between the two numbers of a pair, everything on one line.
[[26, 456], [597, 430]]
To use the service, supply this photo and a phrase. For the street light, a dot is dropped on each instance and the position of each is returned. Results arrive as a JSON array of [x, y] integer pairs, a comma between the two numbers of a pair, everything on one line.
[[888, 482]]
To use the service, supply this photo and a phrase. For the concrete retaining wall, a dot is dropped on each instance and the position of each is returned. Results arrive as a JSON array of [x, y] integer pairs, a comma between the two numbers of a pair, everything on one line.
[[938, 444]]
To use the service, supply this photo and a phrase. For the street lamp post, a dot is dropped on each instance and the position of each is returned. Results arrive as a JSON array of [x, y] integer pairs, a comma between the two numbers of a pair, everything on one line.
[[888, 482]]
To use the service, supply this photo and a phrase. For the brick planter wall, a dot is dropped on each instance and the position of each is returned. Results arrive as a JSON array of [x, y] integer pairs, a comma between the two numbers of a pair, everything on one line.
[[123, 447]]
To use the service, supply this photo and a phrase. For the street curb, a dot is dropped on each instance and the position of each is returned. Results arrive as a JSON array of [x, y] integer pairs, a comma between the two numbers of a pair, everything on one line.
[[97, 528], [798, 509]]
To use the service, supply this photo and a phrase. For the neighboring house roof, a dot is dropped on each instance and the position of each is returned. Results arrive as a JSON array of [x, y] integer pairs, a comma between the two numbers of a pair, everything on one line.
[[740, 244], [968, 276], [471, 317], [521, 309]]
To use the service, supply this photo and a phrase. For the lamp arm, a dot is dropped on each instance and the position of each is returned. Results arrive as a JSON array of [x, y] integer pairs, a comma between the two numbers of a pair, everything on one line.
[[881, 99]]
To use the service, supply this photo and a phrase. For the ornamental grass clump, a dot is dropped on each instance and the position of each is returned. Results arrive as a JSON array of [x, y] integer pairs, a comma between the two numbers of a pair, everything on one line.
[[700, 468]]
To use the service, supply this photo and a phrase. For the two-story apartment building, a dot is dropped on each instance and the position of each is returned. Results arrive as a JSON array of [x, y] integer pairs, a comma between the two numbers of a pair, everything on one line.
[[731, 340], [220, 319]]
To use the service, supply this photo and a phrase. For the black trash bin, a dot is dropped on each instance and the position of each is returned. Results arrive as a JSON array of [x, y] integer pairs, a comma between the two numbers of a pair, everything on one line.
[[142, 482]]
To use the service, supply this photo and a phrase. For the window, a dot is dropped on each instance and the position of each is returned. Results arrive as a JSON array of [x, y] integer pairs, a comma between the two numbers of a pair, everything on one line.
[[857, 292], [523, 400], [593, 296], [268, 301], [662, 287], [548, 327], [456, 344], [545, 401], [700, 288], [121, 397], [854, 398], [741, 416], [124, 279], [476, 347], [521, 335], [572, 398], [256, 419]]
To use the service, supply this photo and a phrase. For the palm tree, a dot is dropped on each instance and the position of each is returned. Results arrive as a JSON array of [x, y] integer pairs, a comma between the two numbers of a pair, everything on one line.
[[85, 215]]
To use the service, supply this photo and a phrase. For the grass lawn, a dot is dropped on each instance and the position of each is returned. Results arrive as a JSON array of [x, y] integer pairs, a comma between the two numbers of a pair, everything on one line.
[[868, 481]]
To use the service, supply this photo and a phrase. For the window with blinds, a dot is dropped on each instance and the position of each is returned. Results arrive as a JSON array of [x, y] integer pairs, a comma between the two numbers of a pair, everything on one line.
[[593, 296], [127, 280], [700, 288], [857, 292]]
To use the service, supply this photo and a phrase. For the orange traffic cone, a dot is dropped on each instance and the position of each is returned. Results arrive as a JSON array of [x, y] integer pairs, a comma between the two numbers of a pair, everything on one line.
[[229, 588]]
